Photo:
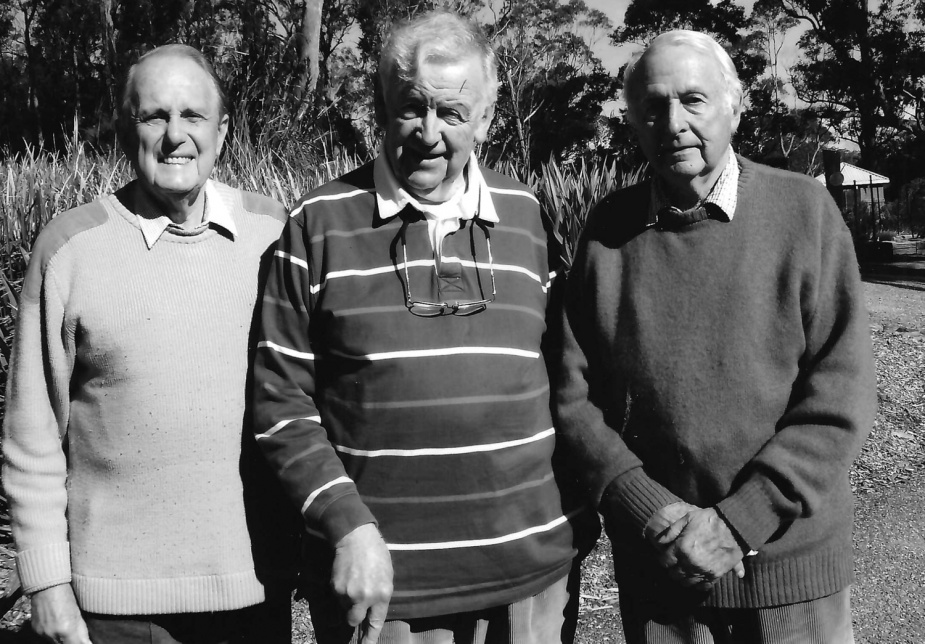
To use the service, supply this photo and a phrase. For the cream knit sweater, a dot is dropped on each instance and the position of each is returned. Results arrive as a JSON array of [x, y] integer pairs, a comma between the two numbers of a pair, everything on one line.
[[122, 439]]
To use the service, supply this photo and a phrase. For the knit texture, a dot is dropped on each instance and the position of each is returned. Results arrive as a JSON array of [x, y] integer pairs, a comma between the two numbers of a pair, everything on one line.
[[136, 361], [437, 428], [725, 364]]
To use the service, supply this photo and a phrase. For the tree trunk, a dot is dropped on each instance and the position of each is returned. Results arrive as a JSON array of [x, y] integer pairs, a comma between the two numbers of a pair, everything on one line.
[[309, 50]]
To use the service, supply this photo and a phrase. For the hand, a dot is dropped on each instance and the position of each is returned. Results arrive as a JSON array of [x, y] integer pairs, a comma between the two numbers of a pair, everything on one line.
[[663, 519], [56, 616], [699, 548], [362, 580]]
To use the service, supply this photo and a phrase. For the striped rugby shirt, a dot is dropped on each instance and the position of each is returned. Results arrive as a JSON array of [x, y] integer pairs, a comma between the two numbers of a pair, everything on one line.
[[436, 428]]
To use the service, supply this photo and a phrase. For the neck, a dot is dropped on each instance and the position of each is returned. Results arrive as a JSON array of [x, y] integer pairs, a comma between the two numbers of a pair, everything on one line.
[[185, 211], [687, 195]]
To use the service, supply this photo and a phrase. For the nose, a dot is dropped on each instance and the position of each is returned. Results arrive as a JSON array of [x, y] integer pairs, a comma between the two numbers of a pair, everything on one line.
[[175, 131], [430, 129], [675, 119]]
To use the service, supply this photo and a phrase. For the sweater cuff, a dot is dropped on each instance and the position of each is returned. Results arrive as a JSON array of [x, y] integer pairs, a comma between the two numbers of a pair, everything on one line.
[[750, 513], [638, 496], [343, 516], [44, 566]]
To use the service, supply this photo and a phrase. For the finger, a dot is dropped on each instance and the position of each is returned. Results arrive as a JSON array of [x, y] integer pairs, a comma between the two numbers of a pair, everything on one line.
[[356, 614], [374, 623], [673, 531], [739, 569], [667, 558]]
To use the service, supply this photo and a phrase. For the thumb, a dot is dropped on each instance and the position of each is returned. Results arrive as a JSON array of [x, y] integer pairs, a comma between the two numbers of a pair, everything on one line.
[[739, 569]]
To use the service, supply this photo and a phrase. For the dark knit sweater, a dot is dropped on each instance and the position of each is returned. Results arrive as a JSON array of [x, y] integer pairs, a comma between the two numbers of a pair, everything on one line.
[[725, 364], [437, 428]]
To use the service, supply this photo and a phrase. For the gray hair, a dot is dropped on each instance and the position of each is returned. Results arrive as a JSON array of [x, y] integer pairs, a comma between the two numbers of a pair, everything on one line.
[[438, 36], [182, 51], [695, 40]]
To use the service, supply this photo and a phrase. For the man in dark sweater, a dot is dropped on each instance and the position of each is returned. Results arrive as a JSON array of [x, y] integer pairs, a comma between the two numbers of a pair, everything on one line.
[[716, 377]]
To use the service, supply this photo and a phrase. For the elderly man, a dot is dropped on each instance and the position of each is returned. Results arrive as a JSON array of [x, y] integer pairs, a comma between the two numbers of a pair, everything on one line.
[[716, 378], [399, 379], [125, 409]]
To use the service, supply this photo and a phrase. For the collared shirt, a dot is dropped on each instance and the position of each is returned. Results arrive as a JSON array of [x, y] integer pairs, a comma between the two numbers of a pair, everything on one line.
[[724, 194], [215, 212], [471, 200]]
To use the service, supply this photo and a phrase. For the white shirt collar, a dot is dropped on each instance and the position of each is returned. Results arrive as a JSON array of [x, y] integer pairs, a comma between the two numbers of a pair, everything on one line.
[[473, 201], [216, 212]]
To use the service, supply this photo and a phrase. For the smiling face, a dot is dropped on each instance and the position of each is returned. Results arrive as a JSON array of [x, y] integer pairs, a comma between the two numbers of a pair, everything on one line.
[[176, 132], [433, 124], [683, 117]]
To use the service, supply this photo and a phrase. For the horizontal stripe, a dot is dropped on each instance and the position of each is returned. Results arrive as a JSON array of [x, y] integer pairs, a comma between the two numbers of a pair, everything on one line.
[[278, 426], [464, 588], [342, 234], [300, 456], [446, 351], [516, 193], [292, 353], [446, 451], [373, 310], [365, 272], [478, 543], [301, 263], [462, 400], [455, 498], [337, 197], [314, 495], [424, 263]]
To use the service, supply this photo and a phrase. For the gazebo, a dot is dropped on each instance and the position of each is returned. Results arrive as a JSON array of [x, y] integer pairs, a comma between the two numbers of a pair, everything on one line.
[[858, 186]]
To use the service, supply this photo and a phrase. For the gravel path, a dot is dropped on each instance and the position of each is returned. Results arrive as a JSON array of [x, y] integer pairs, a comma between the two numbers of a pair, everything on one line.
[[889, 596]]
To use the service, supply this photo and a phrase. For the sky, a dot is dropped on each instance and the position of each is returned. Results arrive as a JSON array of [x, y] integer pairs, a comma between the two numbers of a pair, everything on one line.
[[614, 57]]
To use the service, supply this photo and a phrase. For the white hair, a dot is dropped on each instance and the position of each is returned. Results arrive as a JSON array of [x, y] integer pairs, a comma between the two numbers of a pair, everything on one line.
[[436, 36], [695, 40]]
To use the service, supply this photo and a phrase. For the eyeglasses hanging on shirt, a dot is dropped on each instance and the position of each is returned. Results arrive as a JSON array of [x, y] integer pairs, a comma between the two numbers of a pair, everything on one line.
[[459, 307]]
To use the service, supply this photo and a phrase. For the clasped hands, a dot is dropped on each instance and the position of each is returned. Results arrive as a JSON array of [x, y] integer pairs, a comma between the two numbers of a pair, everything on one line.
[[694, 545]]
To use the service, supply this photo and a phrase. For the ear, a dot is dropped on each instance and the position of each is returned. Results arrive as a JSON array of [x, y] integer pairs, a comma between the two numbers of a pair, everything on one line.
[[484, 122], [736, 115], [222, 131]]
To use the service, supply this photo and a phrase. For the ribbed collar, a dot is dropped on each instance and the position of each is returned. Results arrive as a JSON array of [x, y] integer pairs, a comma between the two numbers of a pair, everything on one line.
[[216, 212]]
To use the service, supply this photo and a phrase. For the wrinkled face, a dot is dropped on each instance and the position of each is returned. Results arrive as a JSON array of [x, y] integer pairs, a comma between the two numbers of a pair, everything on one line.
[[177, 130], [683, 117], [432, 125]]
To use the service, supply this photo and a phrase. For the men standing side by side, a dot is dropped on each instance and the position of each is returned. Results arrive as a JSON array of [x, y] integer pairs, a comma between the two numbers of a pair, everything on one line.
[[716, 378], [399, 381], [126, 402]]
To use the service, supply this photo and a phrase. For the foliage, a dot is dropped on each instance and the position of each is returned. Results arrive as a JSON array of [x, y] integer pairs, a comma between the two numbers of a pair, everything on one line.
[[862, 69], [551, 81]]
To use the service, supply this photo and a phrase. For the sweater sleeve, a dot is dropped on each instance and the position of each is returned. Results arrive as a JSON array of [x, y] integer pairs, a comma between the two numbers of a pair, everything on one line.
[[611, 473], [832, 402], [37, 407], [288, 424]]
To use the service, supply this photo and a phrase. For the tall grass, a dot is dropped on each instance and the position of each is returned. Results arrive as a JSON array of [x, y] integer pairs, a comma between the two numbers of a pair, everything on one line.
[[37, 185]]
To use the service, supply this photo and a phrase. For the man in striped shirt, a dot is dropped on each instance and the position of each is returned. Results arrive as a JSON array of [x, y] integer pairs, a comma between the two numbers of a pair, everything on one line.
[[400, 390]]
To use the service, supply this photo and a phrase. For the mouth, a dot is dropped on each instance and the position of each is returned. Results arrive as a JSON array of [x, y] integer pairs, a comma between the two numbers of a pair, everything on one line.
[[176, 160]]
